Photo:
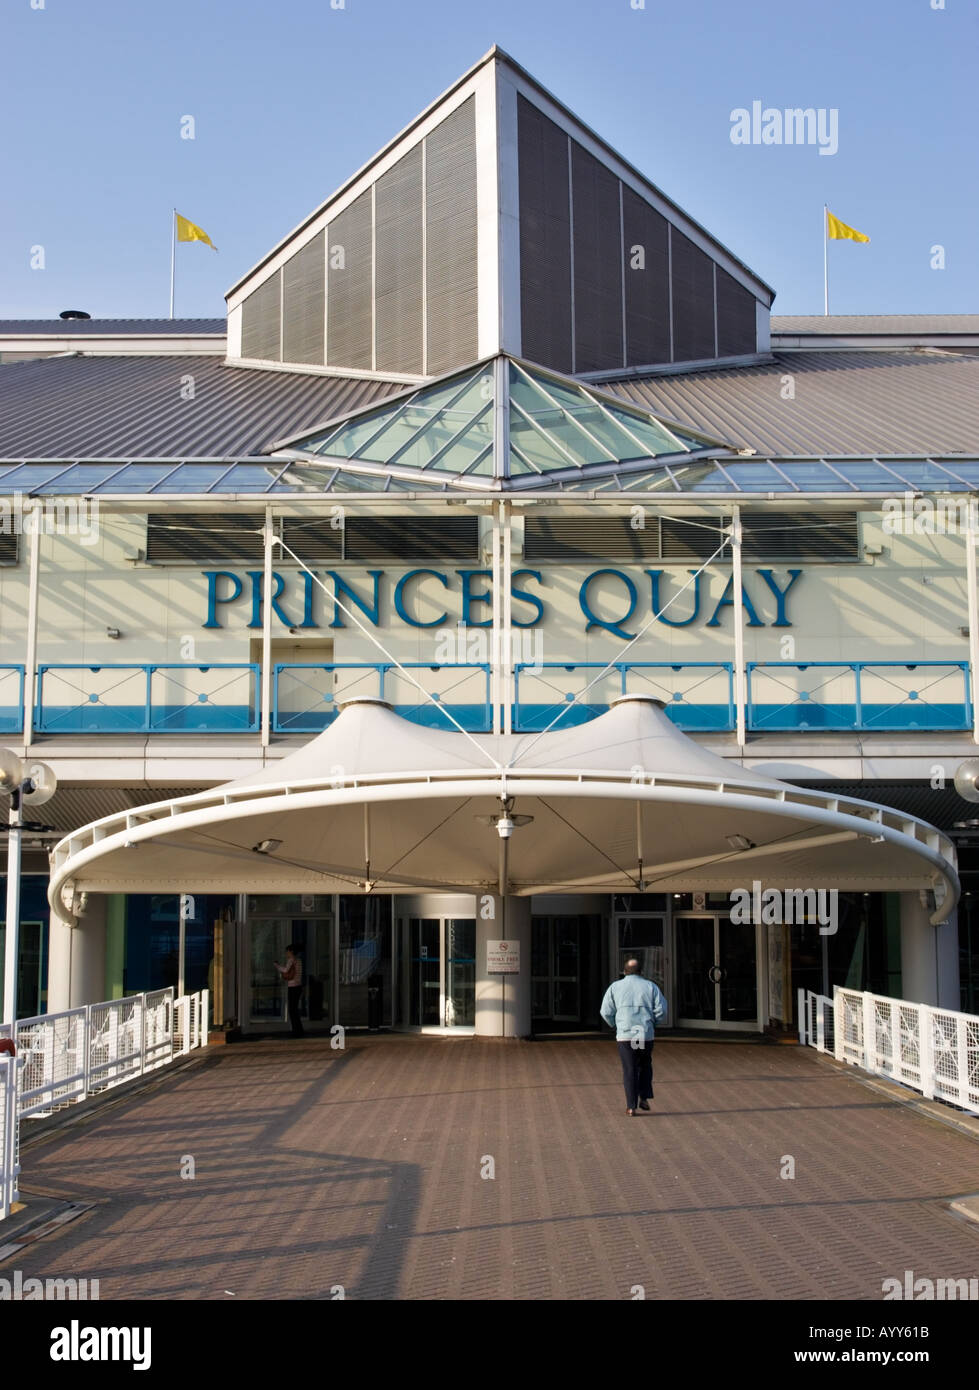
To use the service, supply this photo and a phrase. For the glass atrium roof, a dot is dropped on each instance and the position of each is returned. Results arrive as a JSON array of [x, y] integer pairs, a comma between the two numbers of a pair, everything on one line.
[[502, 424]]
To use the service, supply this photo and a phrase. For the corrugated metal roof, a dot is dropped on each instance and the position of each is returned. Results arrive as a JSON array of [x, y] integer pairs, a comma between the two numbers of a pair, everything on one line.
[[876, 324], [135, 407], [844, 402], [72, 807], [96, 328]]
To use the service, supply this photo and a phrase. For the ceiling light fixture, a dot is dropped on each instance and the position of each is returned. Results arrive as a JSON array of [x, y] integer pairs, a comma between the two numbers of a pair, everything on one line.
[[266, 846]]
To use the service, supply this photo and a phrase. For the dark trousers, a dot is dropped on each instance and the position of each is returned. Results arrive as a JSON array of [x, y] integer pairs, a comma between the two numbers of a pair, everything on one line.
[[295, 994], [637, 1072]]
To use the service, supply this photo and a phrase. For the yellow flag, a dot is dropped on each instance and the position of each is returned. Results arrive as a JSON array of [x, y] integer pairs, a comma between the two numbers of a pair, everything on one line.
[[186, 231], [839, 231]]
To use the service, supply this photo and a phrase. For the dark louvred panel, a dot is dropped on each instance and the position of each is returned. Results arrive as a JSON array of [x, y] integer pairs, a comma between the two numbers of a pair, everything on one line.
[[590, 538], [261, 336], [598, 333], [313, 539], [450, 208], [737, 332], [303, 290], [398, 274], [647, 282], [693, 301], [206, 538], [418, 539], [349, 272], [545, 239], [696, 539], [9, 549], [799, 536]]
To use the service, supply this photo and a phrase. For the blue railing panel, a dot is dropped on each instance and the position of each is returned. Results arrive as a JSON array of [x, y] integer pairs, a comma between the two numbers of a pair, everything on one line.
[[11, 699]]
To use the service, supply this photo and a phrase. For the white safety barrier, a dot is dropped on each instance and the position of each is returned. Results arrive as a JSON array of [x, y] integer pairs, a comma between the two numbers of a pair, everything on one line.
[[65, 1057], [934, 1051], [815, 1020], [9, 1134]]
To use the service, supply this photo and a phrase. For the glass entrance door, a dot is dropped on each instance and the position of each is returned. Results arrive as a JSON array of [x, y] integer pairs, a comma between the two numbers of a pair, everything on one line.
[[716, 976], [643, 938], [274, 923], [440, 961]]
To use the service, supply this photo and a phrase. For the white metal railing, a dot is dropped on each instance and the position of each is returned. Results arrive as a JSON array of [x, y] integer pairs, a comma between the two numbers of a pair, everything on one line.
[[815, 1020], [934, 1051], [65, 1057], [83, 1051], [9, 1133]]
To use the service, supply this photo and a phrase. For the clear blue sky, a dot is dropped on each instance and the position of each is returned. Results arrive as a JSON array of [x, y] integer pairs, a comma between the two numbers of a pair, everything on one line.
[[290, 97]]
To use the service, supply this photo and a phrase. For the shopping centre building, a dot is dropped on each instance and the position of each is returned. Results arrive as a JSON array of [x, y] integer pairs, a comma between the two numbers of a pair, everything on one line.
[[500, 591]]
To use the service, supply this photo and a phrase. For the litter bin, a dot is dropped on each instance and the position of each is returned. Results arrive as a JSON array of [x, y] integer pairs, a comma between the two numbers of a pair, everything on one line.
[[375, 1001]]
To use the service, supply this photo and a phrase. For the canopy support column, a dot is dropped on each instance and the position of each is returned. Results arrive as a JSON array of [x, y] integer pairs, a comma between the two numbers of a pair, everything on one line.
[[973, 592], [267, 631], [30, 663], [738, 596], [503, 1002]]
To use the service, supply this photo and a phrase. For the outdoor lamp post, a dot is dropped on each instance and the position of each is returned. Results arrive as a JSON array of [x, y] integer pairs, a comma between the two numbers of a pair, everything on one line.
[[27, 784]]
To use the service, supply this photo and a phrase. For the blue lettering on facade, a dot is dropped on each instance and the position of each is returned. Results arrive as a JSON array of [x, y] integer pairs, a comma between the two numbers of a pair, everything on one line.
[[654, 578], [225, 587], [399, 597], [469, 598], [594, 620]]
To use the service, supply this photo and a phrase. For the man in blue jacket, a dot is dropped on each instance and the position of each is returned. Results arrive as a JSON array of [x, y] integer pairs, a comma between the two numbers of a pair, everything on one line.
[[632, 1006]]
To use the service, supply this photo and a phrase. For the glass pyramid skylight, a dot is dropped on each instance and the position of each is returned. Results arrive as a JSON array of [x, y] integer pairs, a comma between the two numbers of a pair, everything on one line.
[[550, 427]]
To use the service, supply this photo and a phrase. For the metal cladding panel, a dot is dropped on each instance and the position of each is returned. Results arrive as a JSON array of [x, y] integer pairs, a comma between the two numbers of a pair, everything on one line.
[[450, 213], [303, 289], [545, 239], [349, 333], [737, 331], [693, 300], [261, 328], [647, 282], [598, 332], [398, 287]]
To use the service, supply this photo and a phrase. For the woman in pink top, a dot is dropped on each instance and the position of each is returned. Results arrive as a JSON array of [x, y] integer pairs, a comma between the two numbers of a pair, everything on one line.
[[292, 975]]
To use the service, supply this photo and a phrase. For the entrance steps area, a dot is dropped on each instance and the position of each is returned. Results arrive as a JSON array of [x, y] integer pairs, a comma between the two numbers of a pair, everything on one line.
[[415, 1167]]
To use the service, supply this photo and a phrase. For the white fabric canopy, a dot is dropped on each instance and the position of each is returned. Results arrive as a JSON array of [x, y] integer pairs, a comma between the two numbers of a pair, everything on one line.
[[626, 802]]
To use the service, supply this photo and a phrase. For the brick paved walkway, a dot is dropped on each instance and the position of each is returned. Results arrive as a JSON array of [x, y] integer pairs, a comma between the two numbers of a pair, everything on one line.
[[317, 1168]]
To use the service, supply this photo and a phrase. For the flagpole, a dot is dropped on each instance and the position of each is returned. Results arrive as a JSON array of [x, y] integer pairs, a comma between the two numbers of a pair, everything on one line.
[[173, 252], [825, 263]]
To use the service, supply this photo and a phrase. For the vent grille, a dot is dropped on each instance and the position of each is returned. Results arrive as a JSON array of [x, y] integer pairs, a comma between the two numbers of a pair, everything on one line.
[[398, 274], [260, 321], [647, 288], [349, 276], [313, 539], [545, 239], [9, 548], [590, 538], [800, 536], [423, 539], [205, 538], [737, 331], [693, 300], [767, 537], [597, 264], [303, 290], [450, 202]]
